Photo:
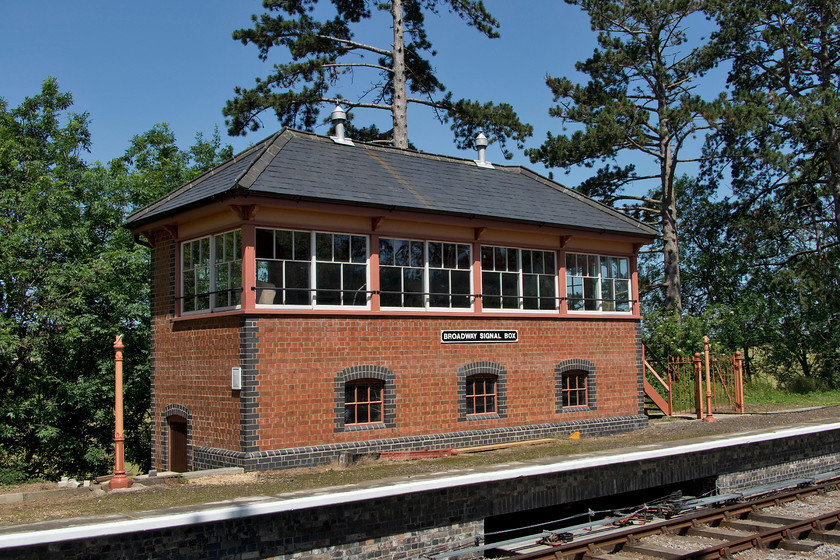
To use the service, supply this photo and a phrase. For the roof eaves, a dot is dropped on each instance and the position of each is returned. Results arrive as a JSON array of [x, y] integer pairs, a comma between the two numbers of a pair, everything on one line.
[[138, 217], [643, 228]]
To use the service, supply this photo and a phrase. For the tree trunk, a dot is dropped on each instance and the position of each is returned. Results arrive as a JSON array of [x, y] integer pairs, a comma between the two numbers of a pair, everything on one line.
[[670, 247], [399, 104]]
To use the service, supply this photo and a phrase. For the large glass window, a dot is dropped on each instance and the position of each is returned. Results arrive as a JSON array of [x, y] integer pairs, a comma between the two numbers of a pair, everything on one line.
[[597, 283], [514, 278], [211, 272], [424, 274], [310, 268]]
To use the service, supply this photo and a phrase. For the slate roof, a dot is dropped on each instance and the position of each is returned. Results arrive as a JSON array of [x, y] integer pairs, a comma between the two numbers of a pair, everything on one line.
[[303, 166]]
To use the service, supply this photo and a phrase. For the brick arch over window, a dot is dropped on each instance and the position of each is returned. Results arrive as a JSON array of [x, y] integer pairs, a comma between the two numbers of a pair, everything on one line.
[[356, 373], [482, 368], [168, 411], [576, 365]]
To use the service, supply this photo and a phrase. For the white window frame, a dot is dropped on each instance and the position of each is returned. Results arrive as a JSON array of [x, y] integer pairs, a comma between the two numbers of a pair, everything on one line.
[[427, 268], [520, 279], [212, 295], [599, 301], [313, 262]]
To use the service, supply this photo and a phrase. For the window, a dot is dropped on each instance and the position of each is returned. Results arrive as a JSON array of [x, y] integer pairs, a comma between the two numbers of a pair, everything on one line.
[[514, 278], [211, 272], [574, 389], [597, 283], [481, 394], [424, 274], [310, 268], [363, 402]]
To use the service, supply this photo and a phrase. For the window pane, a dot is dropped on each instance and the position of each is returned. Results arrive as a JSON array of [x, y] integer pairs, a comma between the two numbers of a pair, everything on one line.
[[592, 265], [491, 286], [548, 263], [439, 287], [413, 283], [591, 294], [530, 291], [571, 265], [622, 295], [460, 285], [341, 248], [386, 252], [283, 248], [416, 253], [435, 255], [358, 251], [510, 288], [264, 244], [355, 284], [303, 241], [464, 260], [450, 255], [527, 264], [323, 246], [297, 283], [375, 412], [500, 258], [390, 280], [401, 252], [547, 292], [623, 269], [486, 258], [328, 279]]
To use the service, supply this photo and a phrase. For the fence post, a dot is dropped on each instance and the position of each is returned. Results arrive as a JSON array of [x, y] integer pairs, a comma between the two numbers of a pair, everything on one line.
[[698, 386], [709, 417], [739, 382]]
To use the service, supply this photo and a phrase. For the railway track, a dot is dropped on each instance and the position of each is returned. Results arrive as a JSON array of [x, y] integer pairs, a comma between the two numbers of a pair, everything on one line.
[[773, 520]]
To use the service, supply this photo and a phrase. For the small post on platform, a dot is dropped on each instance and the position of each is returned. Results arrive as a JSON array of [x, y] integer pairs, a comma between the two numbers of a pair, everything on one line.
[[120, 480], [698, 385], [739, 382], [709, 417]]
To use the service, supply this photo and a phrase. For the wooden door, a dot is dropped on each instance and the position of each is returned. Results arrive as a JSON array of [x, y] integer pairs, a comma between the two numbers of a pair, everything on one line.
[[177, 444]]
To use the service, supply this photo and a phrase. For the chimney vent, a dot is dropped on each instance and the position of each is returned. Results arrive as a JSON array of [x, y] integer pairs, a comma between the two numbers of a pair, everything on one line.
[[481, 143], [339, 117]]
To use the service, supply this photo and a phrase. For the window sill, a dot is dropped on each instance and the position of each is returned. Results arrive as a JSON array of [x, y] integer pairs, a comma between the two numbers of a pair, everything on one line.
[[364, 427], [479, 417]]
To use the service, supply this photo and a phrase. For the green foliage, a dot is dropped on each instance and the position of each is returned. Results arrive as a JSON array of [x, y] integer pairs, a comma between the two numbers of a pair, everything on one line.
[[71, 278], [639, 102], [325, 55], [781, 142]]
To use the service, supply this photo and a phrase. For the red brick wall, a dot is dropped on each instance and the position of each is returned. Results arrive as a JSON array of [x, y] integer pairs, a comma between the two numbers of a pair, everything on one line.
[[299, 358]]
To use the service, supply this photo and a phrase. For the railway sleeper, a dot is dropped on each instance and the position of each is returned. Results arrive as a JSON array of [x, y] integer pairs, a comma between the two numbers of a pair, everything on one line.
[[748, 525], [774, 519], [653, 550], [799, 545], [825, 536]]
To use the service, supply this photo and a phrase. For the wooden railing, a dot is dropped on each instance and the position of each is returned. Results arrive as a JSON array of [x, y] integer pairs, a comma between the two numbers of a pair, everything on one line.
[[695, 385]]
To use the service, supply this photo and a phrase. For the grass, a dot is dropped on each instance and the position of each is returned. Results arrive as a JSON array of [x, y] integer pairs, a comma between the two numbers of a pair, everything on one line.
[[762, 393]]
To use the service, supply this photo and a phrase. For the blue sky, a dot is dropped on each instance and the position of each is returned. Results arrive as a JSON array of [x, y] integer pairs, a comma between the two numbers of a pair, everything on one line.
[[131, 65]]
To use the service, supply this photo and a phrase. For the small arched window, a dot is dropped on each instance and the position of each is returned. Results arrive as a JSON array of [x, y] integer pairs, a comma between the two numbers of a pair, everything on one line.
[[363, 402], [481, 394]]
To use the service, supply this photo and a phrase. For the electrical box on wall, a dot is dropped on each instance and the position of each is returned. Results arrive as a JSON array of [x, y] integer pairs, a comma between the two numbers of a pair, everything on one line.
[[236, 378]]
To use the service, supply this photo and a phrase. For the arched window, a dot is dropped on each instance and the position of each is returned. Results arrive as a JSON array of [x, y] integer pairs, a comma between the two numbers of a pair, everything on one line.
[[575, 385], [481, 391], [363, 402], [481, 394], [364, 398]]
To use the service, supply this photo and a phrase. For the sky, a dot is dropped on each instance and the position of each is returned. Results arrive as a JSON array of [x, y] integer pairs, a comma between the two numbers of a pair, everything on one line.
[[131, 65]]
